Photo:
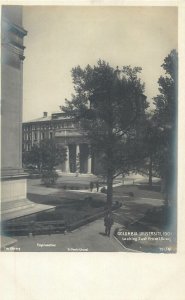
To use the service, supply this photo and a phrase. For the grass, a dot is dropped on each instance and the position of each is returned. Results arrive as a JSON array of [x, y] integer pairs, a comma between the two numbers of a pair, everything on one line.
[[139, 191]]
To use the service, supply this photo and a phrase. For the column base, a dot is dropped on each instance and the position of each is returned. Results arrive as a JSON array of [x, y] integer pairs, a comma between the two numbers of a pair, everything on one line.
[[20, 208], [13, 188], [14, 202]]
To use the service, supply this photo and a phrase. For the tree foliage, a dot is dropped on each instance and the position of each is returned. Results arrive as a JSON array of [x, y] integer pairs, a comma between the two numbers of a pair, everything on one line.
[[151, 141], [166, 101], [165, 116], [45, 155], [109, 105]]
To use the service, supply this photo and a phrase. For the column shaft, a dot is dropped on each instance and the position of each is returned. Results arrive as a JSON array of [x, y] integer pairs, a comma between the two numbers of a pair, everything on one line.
[[67, 166], [78, 158], [89, 163]]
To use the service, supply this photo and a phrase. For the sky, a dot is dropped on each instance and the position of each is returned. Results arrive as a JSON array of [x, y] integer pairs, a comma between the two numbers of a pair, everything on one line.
[[60, 38]]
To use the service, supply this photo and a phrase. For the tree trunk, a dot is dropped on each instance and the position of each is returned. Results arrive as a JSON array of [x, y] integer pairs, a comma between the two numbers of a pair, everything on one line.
[[150, 173], [109, 189], [164, 189]]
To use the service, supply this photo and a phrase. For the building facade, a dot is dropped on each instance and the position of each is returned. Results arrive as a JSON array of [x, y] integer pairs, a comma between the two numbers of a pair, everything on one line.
[[65, 132]]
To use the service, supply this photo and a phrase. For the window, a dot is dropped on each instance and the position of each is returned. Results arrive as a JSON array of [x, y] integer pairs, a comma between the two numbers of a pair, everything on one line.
[[42, 135], [28, 147]]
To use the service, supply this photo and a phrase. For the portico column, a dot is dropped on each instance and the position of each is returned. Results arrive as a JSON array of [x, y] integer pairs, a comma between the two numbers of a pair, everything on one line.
[[89, 163], [67, 167], [78, 158]]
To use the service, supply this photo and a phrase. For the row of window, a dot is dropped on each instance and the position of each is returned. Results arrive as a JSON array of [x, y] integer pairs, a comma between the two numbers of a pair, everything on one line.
[[27, 147], [51, 126], [43, 135]]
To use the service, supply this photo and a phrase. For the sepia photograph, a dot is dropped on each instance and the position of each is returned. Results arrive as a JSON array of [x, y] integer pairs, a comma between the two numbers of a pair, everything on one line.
[[89, 122]]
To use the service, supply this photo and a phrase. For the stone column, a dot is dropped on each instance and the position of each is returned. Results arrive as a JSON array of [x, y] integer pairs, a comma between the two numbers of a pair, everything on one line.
[[32, 137], [67, 166], [89, 163], [13, 186], [77, 158]]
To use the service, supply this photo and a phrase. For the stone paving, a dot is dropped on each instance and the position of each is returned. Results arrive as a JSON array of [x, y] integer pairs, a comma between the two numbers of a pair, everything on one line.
[[89, 238]]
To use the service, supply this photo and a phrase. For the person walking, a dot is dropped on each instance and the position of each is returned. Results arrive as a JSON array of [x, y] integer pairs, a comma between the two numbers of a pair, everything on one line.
[[91, 186], [108, 222], [97, 186]]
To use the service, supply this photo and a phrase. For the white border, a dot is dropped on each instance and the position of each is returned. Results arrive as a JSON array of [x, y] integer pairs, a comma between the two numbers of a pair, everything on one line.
[[110, 276]]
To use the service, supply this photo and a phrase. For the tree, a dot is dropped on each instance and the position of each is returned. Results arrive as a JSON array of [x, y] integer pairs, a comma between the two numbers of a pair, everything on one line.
[[109, 105], [46, 156], [165, 116], [33, 157], [151, 141]]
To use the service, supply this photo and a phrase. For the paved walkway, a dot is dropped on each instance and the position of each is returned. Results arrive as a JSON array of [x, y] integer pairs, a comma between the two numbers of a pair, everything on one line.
[[89, 238], [35, 187]]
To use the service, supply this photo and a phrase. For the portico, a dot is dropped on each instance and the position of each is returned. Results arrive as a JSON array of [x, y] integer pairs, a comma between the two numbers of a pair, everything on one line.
[[77, 159], [78, 153]]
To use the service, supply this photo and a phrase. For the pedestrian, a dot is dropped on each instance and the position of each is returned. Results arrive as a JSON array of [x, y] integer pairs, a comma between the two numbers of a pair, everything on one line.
[[91, 186], [108, 222], [97, 186]]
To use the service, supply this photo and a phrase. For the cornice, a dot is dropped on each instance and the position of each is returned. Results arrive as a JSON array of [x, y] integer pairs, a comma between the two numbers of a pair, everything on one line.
[[20, 31]]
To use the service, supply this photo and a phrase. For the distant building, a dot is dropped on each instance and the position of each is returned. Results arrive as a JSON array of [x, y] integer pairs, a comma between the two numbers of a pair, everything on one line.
[[65, 132]]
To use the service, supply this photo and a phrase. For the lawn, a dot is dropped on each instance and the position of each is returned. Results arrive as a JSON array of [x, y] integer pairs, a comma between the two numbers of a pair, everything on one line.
[[141, 213], [139, 191], [66, 216]]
